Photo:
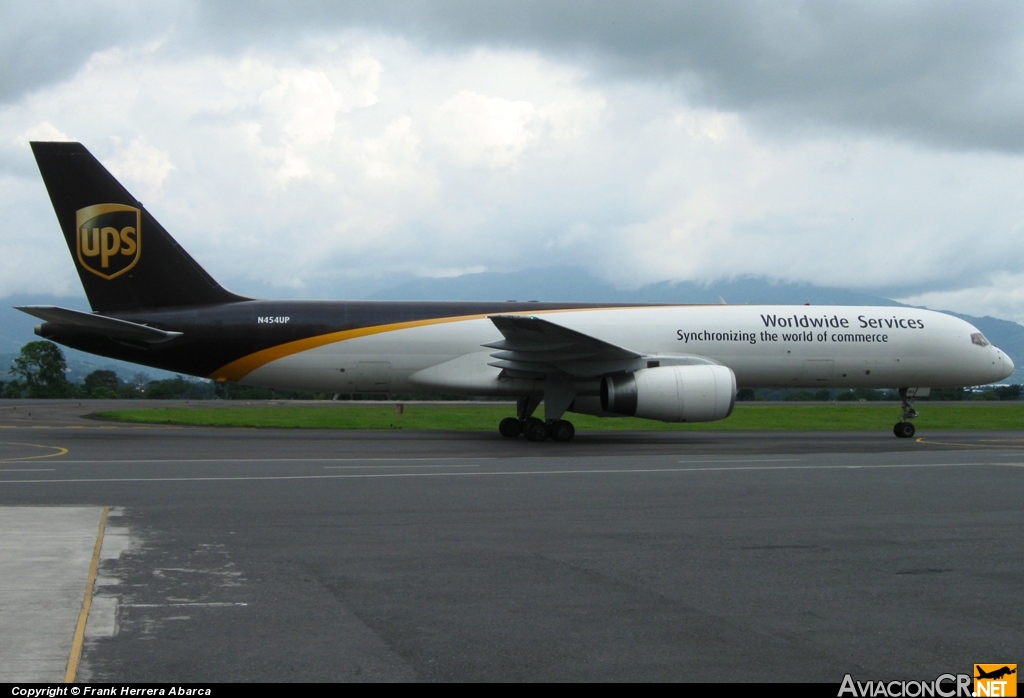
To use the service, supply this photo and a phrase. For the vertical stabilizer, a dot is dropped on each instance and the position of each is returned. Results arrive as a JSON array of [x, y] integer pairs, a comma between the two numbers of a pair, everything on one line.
[[125, 258]]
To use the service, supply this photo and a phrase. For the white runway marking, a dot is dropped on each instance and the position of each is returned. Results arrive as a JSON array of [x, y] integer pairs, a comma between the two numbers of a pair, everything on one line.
[[742, 460], [265, 460], [838, 467], [191, 604], [439, 465], [504, 473]]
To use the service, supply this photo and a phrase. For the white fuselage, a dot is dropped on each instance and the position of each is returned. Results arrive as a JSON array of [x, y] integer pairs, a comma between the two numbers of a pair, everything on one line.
[[765, 346]]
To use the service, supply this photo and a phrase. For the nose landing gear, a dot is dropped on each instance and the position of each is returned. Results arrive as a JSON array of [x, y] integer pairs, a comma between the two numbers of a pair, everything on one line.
[[904, 429]]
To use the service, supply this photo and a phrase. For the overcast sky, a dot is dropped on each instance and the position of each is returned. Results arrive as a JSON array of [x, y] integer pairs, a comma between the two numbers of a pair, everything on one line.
[[328, 149]]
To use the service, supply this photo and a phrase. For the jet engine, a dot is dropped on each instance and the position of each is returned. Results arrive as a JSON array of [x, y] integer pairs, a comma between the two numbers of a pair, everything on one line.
[[700, 393]]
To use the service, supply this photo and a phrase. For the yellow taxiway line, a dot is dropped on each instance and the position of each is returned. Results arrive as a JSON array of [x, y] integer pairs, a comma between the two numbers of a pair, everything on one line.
[[83, 615]]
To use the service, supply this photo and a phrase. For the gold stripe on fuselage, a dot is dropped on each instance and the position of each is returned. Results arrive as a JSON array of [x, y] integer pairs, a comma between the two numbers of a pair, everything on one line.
[[240, 368]]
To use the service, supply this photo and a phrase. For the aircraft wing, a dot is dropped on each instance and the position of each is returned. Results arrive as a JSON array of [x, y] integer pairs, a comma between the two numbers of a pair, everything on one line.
[[534, 347], [99, 324]]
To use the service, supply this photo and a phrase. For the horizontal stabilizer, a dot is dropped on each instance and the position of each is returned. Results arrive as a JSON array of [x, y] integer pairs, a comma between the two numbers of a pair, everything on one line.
[[110, 327]]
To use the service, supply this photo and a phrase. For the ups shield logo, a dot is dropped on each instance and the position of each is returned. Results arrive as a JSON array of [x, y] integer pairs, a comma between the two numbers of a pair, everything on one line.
[[109, 238]]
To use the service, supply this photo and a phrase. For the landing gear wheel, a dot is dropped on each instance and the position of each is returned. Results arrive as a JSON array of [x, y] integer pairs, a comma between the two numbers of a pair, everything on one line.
[[904, 429], [562, 430], [510, 427], [535, 430]]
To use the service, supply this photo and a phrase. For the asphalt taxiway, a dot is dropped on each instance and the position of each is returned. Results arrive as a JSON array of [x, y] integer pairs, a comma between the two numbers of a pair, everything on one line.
[[295, 555]]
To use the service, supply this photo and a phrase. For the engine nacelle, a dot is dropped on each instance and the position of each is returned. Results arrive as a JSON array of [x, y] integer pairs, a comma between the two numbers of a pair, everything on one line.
[[590, 405], [700, 393]]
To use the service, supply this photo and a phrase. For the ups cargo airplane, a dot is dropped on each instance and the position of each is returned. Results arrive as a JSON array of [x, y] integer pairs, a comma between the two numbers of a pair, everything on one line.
[[154, 305]]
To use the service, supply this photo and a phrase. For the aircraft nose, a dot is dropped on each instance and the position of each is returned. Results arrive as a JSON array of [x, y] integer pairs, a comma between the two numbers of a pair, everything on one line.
[[1008, 366]]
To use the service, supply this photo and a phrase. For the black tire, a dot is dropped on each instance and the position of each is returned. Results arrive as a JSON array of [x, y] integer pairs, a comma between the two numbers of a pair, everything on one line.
[[904, 430], [562, 431], [535, 430], [510, 427]]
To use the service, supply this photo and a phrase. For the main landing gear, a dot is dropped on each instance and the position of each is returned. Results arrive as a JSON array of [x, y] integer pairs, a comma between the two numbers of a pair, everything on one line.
[[904, 429], [532, 428], [537, 429]]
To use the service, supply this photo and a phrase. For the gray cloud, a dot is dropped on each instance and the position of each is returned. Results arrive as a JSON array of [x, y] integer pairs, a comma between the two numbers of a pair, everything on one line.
[[42, 43], [941, 73], [315, 147], [945, 74]]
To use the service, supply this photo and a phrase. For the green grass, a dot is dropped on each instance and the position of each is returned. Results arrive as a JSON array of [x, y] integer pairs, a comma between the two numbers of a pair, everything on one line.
[[828, 417]]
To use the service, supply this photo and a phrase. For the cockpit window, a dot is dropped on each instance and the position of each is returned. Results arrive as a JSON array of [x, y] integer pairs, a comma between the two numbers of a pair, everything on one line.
[[979, 339]]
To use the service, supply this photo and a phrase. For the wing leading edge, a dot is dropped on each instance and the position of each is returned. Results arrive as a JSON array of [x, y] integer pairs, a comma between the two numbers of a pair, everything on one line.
[[534, 347]]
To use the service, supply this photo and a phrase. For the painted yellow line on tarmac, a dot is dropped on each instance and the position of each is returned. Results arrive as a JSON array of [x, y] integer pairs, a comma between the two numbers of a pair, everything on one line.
[[59, 451], [83, 616]]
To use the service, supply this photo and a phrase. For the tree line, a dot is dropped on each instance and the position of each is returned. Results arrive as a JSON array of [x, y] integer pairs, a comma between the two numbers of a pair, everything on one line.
[[40, 371]]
